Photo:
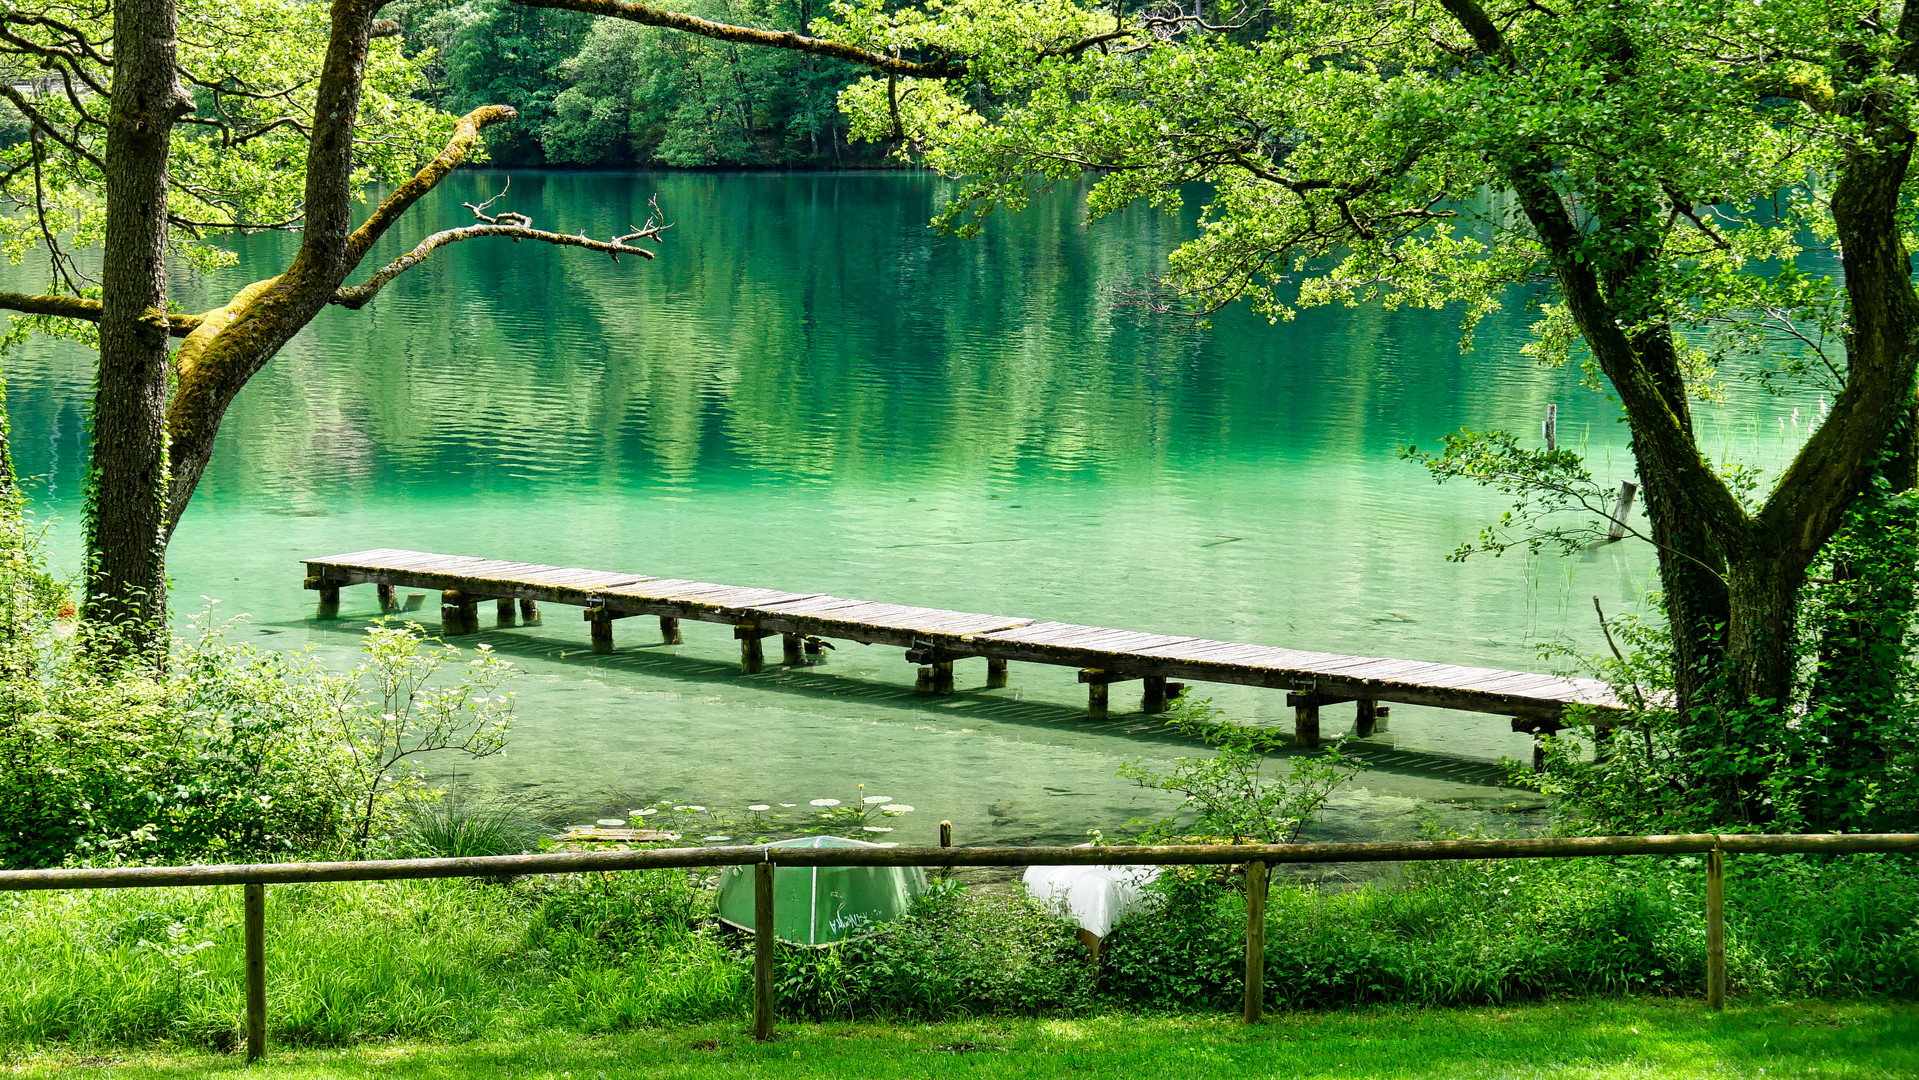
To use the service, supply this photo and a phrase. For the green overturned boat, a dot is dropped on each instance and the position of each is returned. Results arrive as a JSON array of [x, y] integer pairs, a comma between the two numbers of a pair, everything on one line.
[[819, 905]]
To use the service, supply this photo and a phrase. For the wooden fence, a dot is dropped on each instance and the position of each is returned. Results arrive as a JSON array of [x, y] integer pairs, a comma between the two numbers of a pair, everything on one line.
[[1257, 858]]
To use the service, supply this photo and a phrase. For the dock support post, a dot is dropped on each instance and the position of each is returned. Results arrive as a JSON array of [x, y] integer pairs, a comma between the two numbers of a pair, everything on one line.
[[670, 630], [995, 672], [1255, 941], [254, 915], [386, 597], [503, 609], [329, 597], [1716, 930], [602, 622], [1365, 717], [1154, 699], [791, 652], [455, 609], [752, 652], [943, 676], [763, 942], [923, 681], [1306, 722], [1098, 694], [529, 611]]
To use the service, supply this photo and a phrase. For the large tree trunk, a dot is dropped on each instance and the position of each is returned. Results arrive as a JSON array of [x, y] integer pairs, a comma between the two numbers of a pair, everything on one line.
[[1862, 617], [6, 442], [1693, 590], [127, 476]]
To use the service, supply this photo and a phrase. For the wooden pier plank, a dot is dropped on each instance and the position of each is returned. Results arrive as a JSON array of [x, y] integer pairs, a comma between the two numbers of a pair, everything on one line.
[[997, 637]]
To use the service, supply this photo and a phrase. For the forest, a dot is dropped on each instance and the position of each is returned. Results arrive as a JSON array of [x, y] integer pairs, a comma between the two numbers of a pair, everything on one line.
[[602, 94]]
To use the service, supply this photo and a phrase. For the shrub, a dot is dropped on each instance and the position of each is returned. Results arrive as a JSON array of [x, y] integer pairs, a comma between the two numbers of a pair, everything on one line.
[[226, 751], [1492, 931], [958, 953]]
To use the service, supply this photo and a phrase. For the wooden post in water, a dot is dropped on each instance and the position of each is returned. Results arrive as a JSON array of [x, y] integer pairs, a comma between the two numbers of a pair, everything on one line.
[[1255, 941], [1365, 717], [670, 630], [1154, 698], [453, 608], [1306, 721], [943, 675], [1551, 428], [503, 609], [752, 650], [329, 596], [995, 672], [602, 622], [791, 649], [386, 597], [1098, 693], [1617, 530], [946, 834], [763, 942], [254, 915], [1715, 930], [529, 611]]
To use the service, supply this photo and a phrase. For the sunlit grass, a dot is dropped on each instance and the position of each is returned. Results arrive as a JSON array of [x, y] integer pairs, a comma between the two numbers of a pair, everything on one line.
[[1595, 1040]]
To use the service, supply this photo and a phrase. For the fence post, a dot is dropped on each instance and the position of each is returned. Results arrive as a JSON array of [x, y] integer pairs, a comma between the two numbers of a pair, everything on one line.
[[763, 951], [1255, 941], [1715, 930], [254, 905]]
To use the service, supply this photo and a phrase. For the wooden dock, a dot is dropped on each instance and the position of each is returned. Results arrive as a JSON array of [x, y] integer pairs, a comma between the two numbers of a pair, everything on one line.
[[935, 639]]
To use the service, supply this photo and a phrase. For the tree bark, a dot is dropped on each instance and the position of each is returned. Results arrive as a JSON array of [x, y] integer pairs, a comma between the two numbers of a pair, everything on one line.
[[127, 472], [6, 442]]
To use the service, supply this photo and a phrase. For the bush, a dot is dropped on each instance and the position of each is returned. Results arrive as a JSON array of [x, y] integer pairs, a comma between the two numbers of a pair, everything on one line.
[[225, 750], [1487, 932], [958, 953]]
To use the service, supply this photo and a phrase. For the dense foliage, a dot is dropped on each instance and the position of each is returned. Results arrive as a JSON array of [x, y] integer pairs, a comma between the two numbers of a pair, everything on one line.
[[609, 94], [229, 751]]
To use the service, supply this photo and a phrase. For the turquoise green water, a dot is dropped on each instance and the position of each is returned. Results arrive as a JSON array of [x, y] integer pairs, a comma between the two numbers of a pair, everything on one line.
[[809, 390]]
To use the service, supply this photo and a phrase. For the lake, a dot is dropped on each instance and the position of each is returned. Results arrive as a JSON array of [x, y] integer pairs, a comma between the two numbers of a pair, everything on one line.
[[810, 390]]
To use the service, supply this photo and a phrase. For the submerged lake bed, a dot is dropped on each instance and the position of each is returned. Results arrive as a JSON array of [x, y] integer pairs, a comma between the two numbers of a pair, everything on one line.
[[809, 389]]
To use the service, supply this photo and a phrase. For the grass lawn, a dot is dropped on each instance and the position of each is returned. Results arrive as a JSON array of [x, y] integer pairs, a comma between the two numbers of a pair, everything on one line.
[[1641, 1040]]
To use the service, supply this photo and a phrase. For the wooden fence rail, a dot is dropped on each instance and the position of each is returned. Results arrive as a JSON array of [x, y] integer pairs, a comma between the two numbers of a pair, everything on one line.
[[1258, 859]]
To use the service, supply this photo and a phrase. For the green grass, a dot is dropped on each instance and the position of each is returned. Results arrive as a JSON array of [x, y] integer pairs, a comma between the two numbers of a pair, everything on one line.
[[1619, 1039]]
